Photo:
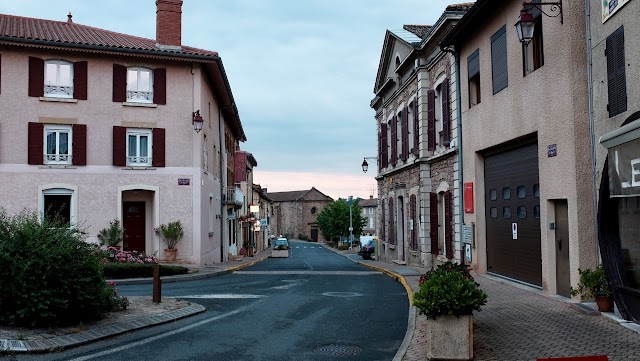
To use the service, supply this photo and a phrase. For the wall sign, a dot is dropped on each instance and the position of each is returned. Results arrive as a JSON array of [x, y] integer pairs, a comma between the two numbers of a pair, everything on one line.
[[624, 169], [468, 197], [609, 7], [514, 230], [184, 181], [552, 150], [467, 253]]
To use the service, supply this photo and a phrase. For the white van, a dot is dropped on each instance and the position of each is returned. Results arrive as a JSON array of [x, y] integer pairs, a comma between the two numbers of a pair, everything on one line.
[[364, 240]]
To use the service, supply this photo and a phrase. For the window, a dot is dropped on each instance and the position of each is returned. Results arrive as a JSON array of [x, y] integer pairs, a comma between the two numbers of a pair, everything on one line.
[[493, 194], [473, 69], [533, 53], [211, 220], [58, 79], [506, 212], [57, 144], [522, 192], [522, 212], [139, 148], [205, 154], [616, 78], [493, 211], [57, 204], [139, 85], [313, 210], [506, 193], [499, 68], [438, 105], [536, 190]]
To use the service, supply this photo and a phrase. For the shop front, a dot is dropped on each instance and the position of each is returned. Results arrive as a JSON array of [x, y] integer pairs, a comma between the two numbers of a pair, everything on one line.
[[619, 215]]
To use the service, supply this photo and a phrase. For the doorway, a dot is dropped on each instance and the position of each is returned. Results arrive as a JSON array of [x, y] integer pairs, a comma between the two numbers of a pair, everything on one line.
[[563, 276], [134, 226], [401, 232], [314, 233]]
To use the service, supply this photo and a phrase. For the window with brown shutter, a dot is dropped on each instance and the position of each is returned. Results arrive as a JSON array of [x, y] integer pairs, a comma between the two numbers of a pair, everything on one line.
[[160, 86], [416, 131], [448, 228], [431, 119], [384, 162], [382, 221], [158, 147], [119, 146], [36, 77], [80, 80], [394, 140], [433, 222], [414, 220], [405, 134], [392, 221], [119, 83], [35, 154], [446, 113], [379, 151], [79, 144], [616, 78]]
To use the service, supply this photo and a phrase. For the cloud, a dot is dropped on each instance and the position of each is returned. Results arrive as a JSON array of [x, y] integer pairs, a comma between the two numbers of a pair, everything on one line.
[[335, 185]]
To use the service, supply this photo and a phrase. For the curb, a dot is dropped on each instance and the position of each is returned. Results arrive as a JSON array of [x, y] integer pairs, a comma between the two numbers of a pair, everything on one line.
[[408, 336], [78, 339]]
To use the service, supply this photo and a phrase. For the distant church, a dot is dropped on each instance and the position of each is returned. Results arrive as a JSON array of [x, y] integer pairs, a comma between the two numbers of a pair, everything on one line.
[[294, 213]]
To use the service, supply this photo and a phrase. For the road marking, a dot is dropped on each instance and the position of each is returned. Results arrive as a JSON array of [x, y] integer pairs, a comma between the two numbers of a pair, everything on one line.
[[162, 335], [317, 273], [290, 284], [221, 296], [342, 294]]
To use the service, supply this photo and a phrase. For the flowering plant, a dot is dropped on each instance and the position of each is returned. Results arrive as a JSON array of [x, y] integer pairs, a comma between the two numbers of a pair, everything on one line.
[[113, 235], [171, 233], [449, 290], [117, 302], [115, 255]]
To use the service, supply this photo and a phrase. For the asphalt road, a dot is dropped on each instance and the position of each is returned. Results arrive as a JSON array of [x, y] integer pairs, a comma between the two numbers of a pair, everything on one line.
[[314, 305]]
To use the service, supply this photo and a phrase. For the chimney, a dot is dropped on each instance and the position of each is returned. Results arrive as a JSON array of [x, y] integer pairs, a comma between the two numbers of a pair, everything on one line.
[[169, 24]]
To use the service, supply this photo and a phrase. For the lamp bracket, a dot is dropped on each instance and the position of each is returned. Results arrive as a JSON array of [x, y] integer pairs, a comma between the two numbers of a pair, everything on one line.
[[555, 8]]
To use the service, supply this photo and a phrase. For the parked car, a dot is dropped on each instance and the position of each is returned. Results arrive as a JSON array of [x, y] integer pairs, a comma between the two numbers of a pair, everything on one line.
[[281, 243], [367, 248]]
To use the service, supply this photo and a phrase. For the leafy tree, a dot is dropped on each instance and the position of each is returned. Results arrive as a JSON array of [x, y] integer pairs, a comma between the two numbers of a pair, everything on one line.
[[333, 221]]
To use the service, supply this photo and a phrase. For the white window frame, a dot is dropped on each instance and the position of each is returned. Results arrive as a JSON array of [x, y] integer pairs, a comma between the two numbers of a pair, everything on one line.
[[56, 90], [136, 95], [135, 160], [57, 158], [59, 189]]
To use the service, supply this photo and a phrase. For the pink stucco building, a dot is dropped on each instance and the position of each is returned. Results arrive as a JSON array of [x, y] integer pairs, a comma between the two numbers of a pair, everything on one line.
[[97, 125]]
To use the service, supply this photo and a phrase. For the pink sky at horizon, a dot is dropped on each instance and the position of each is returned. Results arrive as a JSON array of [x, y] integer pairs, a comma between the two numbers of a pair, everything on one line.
[[332, 184]]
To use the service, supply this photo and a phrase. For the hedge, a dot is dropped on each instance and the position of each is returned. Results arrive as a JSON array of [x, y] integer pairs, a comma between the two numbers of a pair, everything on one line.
[[139, 270]]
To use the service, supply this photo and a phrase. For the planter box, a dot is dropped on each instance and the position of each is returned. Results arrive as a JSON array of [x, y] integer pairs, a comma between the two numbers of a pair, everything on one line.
[[280, 253], [450, 338]]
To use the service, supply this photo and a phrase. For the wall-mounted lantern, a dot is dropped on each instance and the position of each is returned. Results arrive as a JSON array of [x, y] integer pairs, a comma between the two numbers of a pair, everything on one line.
[[197, 121]]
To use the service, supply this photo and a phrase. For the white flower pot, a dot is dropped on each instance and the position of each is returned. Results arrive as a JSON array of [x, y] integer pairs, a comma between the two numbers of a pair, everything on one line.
[[450, 338]]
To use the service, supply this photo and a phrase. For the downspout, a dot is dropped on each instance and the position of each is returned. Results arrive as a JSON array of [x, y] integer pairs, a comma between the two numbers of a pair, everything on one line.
[[592, 130], [456, 54]]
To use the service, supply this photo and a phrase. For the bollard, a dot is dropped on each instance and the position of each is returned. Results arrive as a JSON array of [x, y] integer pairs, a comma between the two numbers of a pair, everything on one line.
[[157, 284]]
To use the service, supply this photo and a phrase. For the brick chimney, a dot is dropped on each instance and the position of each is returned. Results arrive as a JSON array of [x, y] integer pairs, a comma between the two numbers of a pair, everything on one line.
[[169, 24]]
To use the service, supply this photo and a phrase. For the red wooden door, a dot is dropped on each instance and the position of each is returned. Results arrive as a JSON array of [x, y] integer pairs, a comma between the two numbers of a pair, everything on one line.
[[134, 226]]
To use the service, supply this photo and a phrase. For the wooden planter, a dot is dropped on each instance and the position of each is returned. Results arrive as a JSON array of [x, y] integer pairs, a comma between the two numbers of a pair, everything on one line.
[[450, 338], [170, 254]]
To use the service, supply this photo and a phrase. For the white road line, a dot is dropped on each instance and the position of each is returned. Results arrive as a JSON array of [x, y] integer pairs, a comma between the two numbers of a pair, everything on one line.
[[221, 296], [162, 335], [321, 273]]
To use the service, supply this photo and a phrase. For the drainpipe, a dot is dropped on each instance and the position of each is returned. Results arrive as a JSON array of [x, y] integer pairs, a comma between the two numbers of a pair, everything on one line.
[[456, 54], [592, 131]]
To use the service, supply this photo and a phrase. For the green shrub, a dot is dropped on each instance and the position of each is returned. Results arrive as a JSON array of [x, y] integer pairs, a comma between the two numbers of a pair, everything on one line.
[[113, 235], [332, 244], [592, 283], [49, 275], [139, 270], [343, 246], [448, 290]]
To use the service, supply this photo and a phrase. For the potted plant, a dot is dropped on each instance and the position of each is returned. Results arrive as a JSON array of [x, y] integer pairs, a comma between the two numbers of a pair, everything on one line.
[[594, 284], [113, 235], [171, 233], [448, 296]]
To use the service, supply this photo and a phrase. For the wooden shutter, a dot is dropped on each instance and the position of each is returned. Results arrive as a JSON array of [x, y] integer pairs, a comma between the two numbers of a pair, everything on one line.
[[416, 132], [379, 151], [448, 229], [35, 152], [499, 68], [616, 79], [36, 77], [80, 80], [119, 83], [382, 221], [431, 119], [433, 222], [79, 149], [473, 64], [405, 133], [414, 231], [384, 162], [119, 146], [392, 221], [158, 152], [394, 140], [446, 112], [160, 86]]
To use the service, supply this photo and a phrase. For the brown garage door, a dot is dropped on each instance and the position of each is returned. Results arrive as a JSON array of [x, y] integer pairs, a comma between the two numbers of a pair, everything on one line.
[[513, 201]]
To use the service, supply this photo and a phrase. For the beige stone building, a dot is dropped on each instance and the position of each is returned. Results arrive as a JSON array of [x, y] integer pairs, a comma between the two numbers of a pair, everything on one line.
[[415, 108], [369, 213], [295, 213], [525, 143], [99, 125]]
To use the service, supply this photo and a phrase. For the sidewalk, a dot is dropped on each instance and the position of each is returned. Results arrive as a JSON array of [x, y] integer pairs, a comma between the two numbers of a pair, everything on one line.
[[520, 323]]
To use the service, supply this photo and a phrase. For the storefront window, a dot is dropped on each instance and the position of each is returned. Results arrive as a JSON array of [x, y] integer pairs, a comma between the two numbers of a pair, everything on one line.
[[629, 230]]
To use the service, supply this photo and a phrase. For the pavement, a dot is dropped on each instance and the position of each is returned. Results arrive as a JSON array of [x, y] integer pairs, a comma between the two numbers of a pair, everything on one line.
[[517, 323]]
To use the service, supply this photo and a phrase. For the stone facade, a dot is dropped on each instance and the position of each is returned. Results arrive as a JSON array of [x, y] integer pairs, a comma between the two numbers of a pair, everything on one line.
[[294, 213]]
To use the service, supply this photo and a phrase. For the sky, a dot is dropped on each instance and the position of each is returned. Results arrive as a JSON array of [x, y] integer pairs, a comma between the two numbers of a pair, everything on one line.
[[301, 71]]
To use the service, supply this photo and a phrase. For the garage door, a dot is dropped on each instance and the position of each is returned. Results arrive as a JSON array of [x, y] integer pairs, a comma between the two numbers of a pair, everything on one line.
[[513, 214]]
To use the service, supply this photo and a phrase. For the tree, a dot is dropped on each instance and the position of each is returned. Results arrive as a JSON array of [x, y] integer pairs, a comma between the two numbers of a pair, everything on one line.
[[333, 221]]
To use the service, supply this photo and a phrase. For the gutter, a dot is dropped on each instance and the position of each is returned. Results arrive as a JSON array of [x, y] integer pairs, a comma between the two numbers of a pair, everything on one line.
[[592, 131]]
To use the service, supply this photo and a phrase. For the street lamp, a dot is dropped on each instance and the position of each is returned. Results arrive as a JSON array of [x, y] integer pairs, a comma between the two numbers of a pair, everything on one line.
[[197, 121], [526, 23], [365, 165]]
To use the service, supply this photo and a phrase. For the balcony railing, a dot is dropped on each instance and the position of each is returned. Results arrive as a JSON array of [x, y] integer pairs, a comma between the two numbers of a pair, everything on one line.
[[234, 197]]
